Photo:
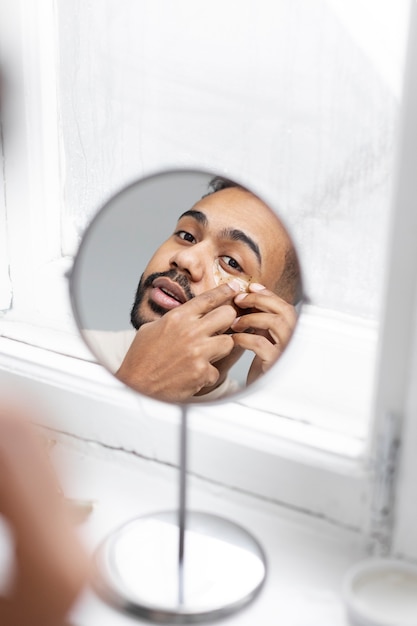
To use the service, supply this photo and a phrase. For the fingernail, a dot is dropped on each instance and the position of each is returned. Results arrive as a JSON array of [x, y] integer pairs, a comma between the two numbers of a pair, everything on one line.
[[235, 321], [256, 287], [234, 284], [240, 297]]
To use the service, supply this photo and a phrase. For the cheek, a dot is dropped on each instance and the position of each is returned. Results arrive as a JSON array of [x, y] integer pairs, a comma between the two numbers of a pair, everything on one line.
[[267, 279], [205, 285], [273, 270], [160, 260], [207, 281]]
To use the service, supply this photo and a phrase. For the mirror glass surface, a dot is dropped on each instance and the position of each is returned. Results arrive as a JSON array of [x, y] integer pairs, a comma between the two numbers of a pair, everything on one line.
[[224, 568], [186, 286]]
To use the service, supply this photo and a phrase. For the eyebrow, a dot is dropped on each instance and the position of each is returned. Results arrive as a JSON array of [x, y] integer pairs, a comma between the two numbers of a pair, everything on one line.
[[197, 215], [238, 235], [227, 233]]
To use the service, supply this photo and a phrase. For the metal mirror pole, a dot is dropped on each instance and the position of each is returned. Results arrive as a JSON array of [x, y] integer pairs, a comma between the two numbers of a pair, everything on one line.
[[182, 513]]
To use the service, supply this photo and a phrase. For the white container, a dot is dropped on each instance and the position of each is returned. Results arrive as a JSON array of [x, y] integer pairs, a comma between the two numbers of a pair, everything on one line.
[[381, 592]]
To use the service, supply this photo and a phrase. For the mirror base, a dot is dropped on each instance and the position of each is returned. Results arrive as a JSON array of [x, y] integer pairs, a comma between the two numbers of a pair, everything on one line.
[[223, 570]]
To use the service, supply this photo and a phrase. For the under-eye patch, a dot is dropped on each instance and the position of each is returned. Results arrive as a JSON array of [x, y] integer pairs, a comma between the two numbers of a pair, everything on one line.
[[221, 276]]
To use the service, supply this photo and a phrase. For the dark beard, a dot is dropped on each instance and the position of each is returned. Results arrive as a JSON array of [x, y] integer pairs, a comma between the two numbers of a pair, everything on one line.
[[136, 318]]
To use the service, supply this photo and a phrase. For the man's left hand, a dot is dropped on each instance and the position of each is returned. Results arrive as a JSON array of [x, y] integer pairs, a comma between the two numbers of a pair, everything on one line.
[[269, 327]]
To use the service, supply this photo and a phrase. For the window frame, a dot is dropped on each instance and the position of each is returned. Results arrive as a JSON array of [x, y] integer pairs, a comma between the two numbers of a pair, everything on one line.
[[396, 399], [31, 153]]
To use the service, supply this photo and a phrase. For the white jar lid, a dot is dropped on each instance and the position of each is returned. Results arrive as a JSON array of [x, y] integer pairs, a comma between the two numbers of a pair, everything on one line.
[[381, 592]]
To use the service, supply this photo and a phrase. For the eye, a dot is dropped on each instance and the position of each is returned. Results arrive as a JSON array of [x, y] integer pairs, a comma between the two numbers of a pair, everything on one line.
[[182, 234], [231, 262]]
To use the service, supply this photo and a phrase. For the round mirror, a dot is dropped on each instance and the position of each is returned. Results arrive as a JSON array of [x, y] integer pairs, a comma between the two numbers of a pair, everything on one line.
[[185, 286]]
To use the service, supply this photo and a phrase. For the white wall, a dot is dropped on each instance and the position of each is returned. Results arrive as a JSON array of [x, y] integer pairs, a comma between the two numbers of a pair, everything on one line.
[[288, 96]]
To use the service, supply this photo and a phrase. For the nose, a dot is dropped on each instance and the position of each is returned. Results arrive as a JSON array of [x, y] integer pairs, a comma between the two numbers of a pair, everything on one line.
[[192, 260]]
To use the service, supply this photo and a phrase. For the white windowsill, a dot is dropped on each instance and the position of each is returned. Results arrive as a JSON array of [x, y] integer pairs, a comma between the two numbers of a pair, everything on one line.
[[307, 558], [312, 469]]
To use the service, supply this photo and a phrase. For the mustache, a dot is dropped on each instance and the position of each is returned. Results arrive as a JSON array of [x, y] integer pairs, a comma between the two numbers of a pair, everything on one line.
[[136, 319], [175, 276]]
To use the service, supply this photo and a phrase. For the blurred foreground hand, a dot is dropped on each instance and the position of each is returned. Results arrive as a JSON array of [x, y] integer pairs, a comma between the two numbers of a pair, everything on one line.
[[51, 567]]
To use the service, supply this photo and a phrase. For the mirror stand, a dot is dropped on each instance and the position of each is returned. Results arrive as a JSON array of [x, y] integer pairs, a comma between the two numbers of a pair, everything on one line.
[[180, 566]]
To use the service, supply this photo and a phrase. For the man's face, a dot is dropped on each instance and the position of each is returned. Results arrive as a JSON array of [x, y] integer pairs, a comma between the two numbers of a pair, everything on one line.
[[232, 229]]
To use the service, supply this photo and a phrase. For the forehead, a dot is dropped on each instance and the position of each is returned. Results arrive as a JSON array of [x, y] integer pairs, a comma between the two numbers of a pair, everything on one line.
[[237, 208]]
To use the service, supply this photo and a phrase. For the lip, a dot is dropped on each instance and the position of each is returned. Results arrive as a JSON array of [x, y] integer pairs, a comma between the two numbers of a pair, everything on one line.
[[167, 293]]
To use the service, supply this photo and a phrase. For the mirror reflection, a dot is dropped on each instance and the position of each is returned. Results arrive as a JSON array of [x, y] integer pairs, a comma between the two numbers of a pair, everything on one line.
[[185, 287]]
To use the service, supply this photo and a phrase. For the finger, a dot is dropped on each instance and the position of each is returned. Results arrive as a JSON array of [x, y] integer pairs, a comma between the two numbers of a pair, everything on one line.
[[219, 320], [210, 300], [212, 377], [18, 440], [265, 301], [219, 346], [262, 347], [277, 326]]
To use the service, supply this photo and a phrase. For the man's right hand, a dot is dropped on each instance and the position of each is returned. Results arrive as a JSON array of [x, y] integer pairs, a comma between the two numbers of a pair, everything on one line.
[[172, 358]]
